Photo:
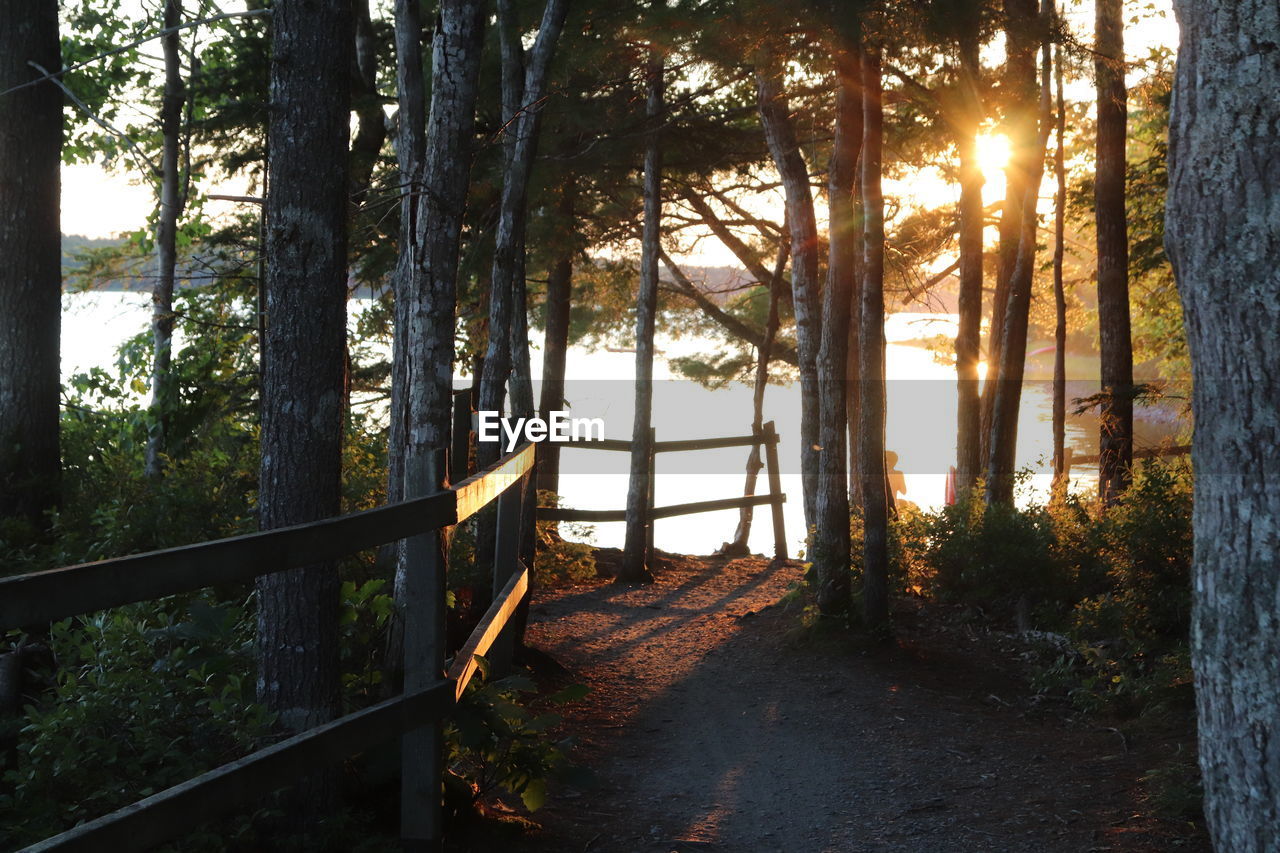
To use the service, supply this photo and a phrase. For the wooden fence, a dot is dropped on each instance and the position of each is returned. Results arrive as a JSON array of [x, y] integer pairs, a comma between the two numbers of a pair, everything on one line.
[[767, 437], [430, 692]]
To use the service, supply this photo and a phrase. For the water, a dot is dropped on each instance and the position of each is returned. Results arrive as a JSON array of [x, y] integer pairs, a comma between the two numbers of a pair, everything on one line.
[[921, 416]]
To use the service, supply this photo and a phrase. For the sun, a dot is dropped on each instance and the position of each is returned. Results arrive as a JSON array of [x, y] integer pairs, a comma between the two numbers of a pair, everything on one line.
[[993, 153]]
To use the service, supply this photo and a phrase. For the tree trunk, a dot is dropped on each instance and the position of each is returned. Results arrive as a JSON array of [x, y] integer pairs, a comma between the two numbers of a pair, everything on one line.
[[971, 227], [411, 152], [875, 542], [635, 552], [523, 92], [304, 351], [31, 274], [1222, 237], [1059, 289], [426, 320], [1007, 399], [739, 544], [775, 115], [371, 122], [1019, 85], [172, 202], [556, 342], [831, 536], [1115, 449]]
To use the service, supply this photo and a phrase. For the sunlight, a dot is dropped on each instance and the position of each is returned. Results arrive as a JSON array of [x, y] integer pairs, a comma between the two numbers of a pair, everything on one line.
[[993, 153]]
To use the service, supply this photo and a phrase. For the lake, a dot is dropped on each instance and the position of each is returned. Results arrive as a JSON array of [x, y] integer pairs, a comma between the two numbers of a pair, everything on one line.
[[921, 416]]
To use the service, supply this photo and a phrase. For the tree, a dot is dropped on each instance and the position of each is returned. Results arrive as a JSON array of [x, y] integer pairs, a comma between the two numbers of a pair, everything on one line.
[[522, 94], [635, 551], [1011, 364], [31, 278], [1059, 425], [970, 225], [1222, 237], [875, 509], [305, 295], [1019, 94], [172, 202], [1115, 456], [831, 536], [775, 116]]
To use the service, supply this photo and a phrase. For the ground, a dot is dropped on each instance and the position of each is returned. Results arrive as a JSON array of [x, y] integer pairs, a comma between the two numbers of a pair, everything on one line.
[[717, 722]]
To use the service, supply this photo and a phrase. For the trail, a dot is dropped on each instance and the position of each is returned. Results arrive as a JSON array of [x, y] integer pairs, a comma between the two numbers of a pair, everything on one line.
[[713, 725]]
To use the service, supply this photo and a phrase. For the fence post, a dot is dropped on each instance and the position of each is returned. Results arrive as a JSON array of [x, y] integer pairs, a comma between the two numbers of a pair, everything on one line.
[[423, 612], [650, 557], [770, 441], [506, 562]]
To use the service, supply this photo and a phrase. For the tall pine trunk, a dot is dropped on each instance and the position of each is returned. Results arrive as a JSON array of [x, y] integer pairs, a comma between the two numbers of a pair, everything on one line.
[[1007, 398], [1115, 457], [634, 552], [31, 273], [875, 509], [1223, 239], [739, 545], [522, 93], [1019, 87], [1059, 288], [775, 115], [172, 201], [304, 352], [831, 534], [970, 227], [556, 339]]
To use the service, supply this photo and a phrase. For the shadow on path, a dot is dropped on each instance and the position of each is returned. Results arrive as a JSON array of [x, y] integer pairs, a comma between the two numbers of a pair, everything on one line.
[[710, 728]]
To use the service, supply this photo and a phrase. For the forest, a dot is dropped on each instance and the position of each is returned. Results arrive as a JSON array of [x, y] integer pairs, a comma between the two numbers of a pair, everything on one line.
[[265, 585]]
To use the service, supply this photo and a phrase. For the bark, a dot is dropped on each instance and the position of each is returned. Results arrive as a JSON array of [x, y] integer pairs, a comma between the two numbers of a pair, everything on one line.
[[633, 568], [1019, 85], [411, 152], [1059, 289], [304, 352], [371, 124], [831, 536], [970, 227], [1007, 397], [1223, 237], [738, 546], [1115, 347], [523, 91], [875, 542], [429, 286], [556, 341], [31, 275], [785, 150], [172, 202]]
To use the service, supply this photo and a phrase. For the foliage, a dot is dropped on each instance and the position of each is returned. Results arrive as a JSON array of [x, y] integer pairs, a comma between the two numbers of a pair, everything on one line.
[[145, 697], [1117, 582], [558, 561], [495, 742]]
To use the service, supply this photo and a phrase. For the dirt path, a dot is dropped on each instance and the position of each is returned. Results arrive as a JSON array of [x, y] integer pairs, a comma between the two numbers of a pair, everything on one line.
[[710, 727]]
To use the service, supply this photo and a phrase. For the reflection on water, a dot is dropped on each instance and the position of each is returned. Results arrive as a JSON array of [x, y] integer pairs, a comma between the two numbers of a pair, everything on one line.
[[921, 416]]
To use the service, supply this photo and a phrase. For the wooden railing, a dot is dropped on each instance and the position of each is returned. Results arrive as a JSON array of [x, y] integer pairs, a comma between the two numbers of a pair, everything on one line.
[[767, 437], [430, 692]]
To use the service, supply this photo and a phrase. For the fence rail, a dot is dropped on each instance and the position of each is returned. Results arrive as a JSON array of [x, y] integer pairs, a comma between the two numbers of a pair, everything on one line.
[[45, 596], [431, 692], [767, 438]]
